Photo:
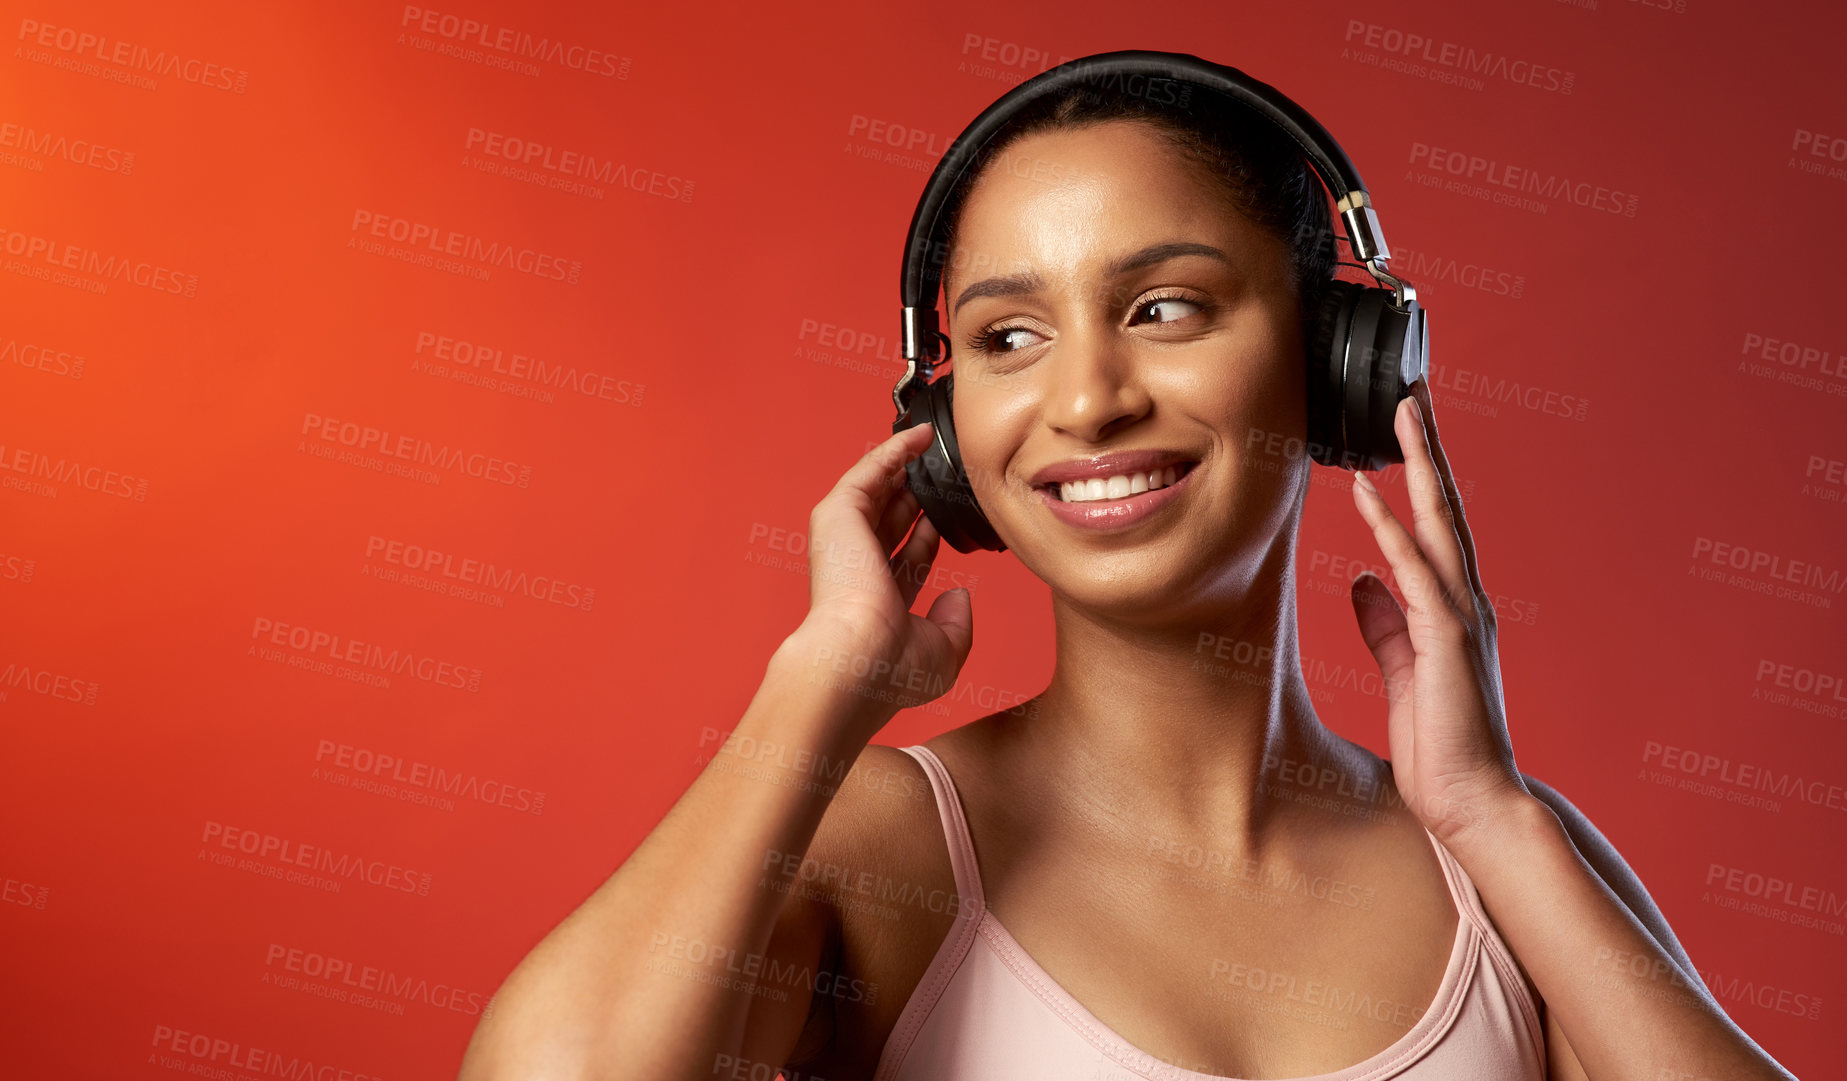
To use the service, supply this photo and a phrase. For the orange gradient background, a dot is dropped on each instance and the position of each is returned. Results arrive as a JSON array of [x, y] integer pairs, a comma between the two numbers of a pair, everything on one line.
[[141, 716]]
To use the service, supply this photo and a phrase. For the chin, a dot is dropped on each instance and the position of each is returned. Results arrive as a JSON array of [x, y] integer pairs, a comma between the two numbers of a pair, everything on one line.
[[1138, 585]]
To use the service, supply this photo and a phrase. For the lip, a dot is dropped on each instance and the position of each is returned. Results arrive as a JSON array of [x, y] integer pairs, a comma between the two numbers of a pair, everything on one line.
[[1109, 465], [1114, 515]]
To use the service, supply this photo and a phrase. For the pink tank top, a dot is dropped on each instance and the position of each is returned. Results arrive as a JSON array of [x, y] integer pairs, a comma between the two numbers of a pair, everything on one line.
[[985, 1011]]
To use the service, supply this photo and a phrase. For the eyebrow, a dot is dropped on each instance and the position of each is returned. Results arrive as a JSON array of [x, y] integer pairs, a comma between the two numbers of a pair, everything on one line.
[[1006, 285]]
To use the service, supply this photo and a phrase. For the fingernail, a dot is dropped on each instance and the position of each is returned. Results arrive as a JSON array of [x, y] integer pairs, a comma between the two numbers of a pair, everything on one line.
[[1416, 410], [1362, 481]]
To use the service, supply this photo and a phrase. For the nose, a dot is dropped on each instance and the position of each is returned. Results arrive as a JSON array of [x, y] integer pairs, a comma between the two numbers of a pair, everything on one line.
[[1095, 387]]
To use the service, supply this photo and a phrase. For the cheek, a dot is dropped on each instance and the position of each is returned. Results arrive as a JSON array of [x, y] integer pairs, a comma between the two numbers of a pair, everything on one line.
[[1234, 395], [1262, 388], [1254, 404], [991, 416], [1268, 409]]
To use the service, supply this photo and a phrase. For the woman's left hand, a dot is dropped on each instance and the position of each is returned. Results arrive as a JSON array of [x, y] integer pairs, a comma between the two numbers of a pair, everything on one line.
[[1446, 721]]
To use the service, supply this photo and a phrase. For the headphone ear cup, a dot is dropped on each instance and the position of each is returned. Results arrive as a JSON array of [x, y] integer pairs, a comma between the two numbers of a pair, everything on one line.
[[1363, 356], [936, 476], [1398, 361], [1327, 350], [1360, 395]]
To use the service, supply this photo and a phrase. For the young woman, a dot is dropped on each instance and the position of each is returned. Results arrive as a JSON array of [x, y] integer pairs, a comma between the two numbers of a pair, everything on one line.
[[1164, 865]]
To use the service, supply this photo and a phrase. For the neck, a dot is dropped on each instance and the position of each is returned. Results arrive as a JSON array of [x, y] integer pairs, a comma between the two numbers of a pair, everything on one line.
[[1177, 728]]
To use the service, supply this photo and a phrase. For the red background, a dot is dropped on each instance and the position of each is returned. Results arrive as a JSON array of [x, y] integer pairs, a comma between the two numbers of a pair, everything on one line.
[[136, 715]]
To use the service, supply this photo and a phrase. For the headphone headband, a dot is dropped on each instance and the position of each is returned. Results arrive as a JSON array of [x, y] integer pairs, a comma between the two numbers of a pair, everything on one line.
[[1364, 346], [1166, 79]]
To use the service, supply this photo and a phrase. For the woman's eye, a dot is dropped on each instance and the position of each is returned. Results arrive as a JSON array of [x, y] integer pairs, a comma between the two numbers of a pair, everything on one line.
[[1176, 308], [1001, 340]]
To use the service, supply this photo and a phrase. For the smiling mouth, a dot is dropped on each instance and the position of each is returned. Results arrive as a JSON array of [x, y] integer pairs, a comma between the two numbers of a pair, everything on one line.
[[1119, 486]]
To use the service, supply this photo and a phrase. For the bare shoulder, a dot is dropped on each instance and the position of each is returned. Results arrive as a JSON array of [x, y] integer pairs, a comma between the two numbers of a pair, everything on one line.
[[883, 814], [1615, 871], [878, 873]]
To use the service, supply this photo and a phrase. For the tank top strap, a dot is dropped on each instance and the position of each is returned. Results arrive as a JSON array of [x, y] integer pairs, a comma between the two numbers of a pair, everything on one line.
[[1461, 890], [955, 827], [1512, 976]]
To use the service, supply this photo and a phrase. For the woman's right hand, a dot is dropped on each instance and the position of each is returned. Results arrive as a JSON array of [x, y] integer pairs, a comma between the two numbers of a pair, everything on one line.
[[860, 629]]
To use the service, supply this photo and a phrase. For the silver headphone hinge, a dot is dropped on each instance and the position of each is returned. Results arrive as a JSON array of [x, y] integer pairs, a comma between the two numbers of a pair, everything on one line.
[[1363, 232], [901, 393], [908, 333]]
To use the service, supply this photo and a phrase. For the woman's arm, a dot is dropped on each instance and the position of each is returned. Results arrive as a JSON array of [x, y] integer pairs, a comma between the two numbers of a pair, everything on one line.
[[660, 971], [687, 963], [1622, 998], [1622, 1001]]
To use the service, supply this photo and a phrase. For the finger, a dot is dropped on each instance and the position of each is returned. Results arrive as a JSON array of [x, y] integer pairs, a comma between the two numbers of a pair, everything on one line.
[[1385, 632], [840, 563], [899, 514], [1421, 391], [955, 614], [911, 564], [1432, 518], [1426, 605], [877, 477]]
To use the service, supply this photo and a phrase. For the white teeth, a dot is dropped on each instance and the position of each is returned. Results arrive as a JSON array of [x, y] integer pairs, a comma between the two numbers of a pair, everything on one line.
[[1118, 486]]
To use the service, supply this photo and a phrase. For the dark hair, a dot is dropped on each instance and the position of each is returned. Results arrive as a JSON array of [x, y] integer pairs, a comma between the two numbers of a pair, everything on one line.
[[1261, 170]]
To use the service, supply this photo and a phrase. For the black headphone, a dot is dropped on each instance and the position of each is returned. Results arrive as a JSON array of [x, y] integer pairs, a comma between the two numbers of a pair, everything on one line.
[[1366, 343]]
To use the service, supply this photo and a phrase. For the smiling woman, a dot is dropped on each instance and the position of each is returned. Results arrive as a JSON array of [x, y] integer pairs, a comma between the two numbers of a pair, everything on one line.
[[1143, 291], [1168, 867]]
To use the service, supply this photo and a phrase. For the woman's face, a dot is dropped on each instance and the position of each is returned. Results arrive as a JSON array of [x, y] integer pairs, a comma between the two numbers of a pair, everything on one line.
[[1075, 337]]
